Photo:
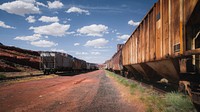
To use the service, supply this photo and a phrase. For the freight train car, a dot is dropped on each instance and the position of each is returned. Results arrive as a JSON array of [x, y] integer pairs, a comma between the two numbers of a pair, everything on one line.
[[167, 44], [109, 65], [52, 62], [92, 66], [116, 60], [78, 65]]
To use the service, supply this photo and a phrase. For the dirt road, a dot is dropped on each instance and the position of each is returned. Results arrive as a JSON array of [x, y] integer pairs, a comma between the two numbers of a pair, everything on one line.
[[89, 92]]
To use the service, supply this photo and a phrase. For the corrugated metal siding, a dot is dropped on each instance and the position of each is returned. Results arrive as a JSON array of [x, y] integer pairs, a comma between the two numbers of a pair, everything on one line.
[[165, 23], [175, 22], [147, 53], [159, 32], [152, 34]]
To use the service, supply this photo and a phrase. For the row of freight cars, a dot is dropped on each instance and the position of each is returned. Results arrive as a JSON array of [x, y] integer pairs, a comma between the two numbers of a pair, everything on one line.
[[166, 44], [51, 62]]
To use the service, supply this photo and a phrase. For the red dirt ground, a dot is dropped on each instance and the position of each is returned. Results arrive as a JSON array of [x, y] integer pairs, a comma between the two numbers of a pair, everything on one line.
[[88, 92]]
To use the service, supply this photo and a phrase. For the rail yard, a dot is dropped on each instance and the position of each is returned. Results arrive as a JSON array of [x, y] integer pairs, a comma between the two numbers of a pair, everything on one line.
[[158, 63]]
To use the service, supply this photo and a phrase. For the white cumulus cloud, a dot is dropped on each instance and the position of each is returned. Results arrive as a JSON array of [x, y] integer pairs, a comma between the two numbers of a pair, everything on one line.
[[81, 53], [77, 10], [133, 23], [93, 30], [95, 53], [97, 42], [28, 1], [20, 7], [54, 29], [76, 44], [3, 25], [28, 38], [31, 19], [123, 37], [58, 50], [43, 43], [49, 19], [40, 4], [55, 4]]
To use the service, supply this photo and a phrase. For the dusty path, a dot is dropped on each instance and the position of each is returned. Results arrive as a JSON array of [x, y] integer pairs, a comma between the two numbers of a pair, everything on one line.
[[90, 92]]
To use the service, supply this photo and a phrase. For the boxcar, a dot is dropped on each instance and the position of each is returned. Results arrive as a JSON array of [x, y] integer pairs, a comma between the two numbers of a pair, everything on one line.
[[117, 66], [52, 62], [78, 64], [167, 44], [92, 66]]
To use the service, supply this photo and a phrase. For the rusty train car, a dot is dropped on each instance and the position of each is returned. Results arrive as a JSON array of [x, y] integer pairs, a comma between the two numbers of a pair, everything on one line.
[[51, 62], [166, 44], [115, 63]]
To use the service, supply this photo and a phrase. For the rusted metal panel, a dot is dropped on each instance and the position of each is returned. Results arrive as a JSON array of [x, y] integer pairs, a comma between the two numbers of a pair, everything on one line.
[[152, 34], [129, 52], [147, 53], [137, 34], [165, 23], [134, 50], [175, 26], [142, 42], [130, 49], [123, 55], [139, 44], [158, 31], [136, 45], [117, 64], [161, 29]]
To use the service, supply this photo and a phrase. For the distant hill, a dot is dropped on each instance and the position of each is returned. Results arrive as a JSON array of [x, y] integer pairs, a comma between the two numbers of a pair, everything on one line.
[[14, 59]]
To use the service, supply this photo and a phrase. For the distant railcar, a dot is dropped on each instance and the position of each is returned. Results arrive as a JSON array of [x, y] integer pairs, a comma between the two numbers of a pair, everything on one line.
[[116, 60], [52, 62], [92, 66]]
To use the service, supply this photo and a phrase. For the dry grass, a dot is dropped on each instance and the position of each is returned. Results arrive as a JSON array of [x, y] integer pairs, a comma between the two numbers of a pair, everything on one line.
[[153, 101]]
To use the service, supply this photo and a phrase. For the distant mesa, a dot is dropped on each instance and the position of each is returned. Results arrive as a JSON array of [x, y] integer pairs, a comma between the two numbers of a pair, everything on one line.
[[1, 44]]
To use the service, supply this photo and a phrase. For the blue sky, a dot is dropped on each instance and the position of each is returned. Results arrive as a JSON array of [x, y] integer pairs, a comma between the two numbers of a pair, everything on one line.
[[86, 29]]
